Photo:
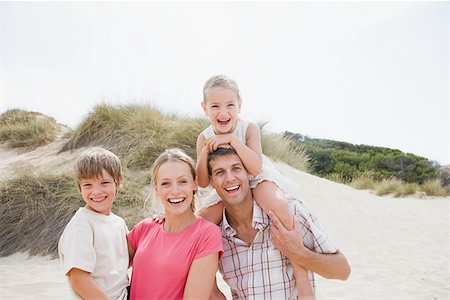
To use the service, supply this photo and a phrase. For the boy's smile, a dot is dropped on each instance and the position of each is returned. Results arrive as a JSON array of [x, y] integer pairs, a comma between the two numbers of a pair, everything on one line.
[[99, 193]]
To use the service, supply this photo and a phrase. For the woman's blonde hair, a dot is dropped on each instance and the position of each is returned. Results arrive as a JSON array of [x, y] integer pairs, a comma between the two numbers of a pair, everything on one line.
[[221, 81], [93, 161], [174, 154]]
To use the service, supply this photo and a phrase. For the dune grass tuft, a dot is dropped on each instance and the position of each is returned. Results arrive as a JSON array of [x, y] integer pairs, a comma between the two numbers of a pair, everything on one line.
[[19, 128], [435, 188], [34, 211], [364, 181], [280, 148], [137, 133]]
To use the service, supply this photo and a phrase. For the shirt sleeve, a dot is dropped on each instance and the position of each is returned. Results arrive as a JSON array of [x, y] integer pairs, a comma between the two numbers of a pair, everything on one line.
[[77, 249], [211, 242], [135, 233], [313, 237]]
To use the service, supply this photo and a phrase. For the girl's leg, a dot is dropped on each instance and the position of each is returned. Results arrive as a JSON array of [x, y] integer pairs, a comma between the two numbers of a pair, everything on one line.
[[271, 198], [213, 213]]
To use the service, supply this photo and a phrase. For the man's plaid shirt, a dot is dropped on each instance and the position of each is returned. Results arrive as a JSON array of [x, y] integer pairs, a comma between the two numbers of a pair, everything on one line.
[[259, 270]]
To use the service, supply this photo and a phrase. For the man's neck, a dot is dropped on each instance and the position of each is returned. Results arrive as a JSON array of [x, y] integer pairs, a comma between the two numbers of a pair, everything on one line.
[[240, 217]]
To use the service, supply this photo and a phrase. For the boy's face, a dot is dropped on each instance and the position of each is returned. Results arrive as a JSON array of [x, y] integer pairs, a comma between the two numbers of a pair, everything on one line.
[[230, 179], [99, 193], [222, 107]]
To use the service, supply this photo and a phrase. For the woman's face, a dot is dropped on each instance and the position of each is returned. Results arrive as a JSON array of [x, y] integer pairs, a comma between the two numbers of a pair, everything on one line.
[[175, 186]]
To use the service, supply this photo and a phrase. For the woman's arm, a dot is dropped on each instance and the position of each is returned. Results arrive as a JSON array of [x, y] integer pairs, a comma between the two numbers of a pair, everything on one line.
[[85, 286], [202, 162], [201, 277]]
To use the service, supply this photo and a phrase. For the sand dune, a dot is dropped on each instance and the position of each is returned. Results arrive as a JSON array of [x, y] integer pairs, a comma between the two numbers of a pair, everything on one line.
[[398, 248]]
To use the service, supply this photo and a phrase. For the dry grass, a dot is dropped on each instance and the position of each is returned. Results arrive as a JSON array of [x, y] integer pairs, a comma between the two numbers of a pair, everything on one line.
[[279, 148], [19, 128], [34, 211], [435, 188], [137, 133]]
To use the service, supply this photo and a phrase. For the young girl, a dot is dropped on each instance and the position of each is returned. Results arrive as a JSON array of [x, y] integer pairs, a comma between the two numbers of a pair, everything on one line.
[[222, 104]]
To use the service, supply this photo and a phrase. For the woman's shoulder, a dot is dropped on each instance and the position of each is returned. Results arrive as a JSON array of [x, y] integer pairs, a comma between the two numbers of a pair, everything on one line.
[[206, 226], [146, 223]]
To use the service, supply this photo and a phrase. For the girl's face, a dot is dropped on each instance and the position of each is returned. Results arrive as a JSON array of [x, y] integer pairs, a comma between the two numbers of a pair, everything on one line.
[[222, 106], [175, 187]]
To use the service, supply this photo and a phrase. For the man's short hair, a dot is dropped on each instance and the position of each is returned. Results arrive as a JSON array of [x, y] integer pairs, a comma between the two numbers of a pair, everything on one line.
[[219, 152]]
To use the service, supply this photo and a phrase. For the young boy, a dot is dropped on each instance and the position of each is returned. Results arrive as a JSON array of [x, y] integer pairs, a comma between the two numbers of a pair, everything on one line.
[[93, 247]]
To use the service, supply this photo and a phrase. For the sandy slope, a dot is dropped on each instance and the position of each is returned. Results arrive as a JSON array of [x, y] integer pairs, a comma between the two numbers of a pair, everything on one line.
[[398, 248]]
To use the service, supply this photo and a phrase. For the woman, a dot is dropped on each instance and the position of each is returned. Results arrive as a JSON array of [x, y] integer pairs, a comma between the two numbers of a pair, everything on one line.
[[177, 259]]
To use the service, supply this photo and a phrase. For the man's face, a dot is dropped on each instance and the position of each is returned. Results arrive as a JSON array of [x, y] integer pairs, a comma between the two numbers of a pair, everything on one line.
[[230, 179]]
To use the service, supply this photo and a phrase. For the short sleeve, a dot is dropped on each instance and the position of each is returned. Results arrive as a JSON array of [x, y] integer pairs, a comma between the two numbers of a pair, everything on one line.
[[77, 249], [211, 242], [135, 233], [313, 237]]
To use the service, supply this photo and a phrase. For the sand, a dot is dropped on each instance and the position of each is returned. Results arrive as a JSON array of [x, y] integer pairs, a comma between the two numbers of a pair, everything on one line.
[[398, 248]]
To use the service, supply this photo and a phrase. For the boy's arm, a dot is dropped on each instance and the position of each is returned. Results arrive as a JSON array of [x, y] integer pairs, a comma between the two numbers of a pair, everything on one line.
[[131, 253], [85, 286], [290, 243], [202, 162]]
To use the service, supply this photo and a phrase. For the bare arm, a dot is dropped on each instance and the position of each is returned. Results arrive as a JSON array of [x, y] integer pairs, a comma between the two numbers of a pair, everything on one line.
[[250, 153], [131, 253], [202, 162], [330, 266], [85, 286], [201, 277]]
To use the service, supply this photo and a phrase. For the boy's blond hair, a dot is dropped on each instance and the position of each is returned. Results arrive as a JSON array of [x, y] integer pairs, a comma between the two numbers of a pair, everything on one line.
[[91, 163]]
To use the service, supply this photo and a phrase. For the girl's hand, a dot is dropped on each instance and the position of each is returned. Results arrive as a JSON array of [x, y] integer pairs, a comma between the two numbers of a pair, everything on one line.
[[159, 218], [222, 140]]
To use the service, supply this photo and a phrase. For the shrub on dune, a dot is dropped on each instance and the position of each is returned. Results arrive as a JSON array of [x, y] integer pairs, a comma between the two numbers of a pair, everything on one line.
[[19, 128]]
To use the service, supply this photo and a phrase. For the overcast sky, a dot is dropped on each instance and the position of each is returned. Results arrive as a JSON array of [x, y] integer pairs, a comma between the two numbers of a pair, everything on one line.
[[373, 73]]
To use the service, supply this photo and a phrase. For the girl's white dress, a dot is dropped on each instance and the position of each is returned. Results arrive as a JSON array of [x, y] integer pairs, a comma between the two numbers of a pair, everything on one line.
[[268, 170]]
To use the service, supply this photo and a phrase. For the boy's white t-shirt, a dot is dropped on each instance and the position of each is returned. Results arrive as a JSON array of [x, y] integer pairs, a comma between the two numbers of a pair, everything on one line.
[[97, 244]]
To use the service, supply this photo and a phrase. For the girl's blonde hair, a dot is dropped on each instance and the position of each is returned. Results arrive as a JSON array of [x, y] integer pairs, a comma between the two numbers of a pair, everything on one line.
[[174, 154], [221, 81], [92, 162]]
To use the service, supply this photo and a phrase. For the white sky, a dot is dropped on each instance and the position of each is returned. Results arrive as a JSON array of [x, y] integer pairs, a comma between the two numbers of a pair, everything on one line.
[[373, 73]]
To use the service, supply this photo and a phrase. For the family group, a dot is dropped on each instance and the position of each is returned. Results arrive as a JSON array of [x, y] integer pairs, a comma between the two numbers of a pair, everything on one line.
[[264, 242]]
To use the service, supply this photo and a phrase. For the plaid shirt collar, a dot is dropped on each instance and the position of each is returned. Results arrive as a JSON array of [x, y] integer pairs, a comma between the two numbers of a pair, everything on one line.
[[260, 221]]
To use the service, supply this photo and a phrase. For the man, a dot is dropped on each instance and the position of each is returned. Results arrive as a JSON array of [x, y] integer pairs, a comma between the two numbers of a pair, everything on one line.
[[258, 258]]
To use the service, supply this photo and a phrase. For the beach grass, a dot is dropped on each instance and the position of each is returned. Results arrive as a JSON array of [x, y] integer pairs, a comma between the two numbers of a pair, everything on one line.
[[136, 133], [19, 128]]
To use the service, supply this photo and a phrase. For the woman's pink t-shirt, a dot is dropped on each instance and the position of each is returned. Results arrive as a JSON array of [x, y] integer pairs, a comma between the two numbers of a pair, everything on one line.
[[162, 260]]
